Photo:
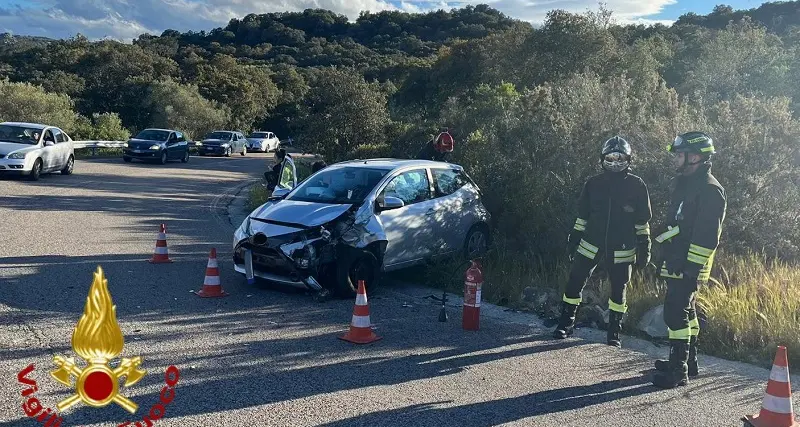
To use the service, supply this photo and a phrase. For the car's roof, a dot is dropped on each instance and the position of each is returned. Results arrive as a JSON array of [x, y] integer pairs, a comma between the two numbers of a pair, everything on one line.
[[30, 125], [392, 163], [165, 130]]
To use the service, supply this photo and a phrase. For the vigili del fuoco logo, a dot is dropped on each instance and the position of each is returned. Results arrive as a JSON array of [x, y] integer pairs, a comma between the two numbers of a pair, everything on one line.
[[97, 340]]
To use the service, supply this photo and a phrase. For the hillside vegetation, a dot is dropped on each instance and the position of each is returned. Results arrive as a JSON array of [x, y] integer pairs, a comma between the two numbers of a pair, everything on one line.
[[529, 108]]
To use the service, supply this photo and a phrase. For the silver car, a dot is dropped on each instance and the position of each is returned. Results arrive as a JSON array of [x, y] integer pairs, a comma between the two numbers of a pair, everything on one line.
[[354, 220]]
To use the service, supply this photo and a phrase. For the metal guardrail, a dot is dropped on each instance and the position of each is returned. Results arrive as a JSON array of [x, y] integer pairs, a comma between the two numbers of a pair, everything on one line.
[[98, 144]]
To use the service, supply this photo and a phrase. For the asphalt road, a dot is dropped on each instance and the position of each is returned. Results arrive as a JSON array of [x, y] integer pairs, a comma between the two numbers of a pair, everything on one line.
[[271, 357]]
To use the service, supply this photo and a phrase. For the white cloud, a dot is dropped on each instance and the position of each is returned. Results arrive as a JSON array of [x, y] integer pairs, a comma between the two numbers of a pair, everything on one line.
[[126, 19]]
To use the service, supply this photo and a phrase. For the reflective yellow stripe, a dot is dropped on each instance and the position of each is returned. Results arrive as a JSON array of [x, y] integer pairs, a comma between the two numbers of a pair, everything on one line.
[[699, 250], [625, 256], [668, 234], [619, 308], [696, 259], [680, 334], [694, 325], [624, 260], [581, 221], [580, 227], [706, 149], [590, 247], [573, 301], [643, 230], [586, 253]]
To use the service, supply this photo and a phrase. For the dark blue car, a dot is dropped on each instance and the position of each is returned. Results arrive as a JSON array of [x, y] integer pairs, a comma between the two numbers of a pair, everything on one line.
[[159, 145]]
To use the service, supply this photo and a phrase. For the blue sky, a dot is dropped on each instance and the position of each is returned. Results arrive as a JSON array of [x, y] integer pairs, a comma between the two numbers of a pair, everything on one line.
[[127, 19]]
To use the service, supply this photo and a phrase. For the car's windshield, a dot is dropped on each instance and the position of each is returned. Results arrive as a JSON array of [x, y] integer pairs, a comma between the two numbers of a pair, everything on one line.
[[218, 135], [20, 134], [345, 185], [152, 135], [258, 135]]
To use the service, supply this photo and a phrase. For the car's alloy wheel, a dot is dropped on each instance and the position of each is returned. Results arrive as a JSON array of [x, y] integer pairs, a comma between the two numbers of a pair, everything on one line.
[[36, 172], [244, 150], [69, 167], [185, 158], [164, 158], [228, 152], [364, 266]]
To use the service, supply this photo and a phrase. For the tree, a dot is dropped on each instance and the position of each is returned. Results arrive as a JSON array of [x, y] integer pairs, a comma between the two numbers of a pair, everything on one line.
[[344, 111], [25, 102], [181, 107]]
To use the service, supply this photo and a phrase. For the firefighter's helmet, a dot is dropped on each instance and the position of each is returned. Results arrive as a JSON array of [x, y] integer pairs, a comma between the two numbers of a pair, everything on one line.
[[616, 154], [444, 142], [693, 142]]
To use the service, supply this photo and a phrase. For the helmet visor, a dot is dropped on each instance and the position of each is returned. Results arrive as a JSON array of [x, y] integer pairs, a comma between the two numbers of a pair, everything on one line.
[[615, 162]]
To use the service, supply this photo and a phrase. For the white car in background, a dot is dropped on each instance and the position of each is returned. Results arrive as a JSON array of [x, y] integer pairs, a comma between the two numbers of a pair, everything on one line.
[[263, 141], [31, 149]]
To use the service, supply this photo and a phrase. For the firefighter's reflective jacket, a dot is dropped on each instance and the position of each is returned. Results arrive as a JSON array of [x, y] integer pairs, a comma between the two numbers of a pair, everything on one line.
[[613, 218], [693, 227]]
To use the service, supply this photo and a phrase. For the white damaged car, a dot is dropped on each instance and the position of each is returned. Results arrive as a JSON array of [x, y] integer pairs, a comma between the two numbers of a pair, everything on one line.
[[355, 220], [31, 149]]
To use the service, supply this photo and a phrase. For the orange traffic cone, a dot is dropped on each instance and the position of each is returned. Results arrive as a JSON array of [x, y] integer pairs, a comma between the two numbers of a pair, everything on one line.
[[360, 330], [776, 409], [212, 288], [161, 255]]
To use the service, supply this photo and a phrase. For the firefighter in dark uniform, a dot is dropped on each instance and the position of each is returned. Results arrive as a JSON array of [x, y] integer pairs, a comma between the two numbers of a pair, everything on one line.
[[613, 224], [688, 244]]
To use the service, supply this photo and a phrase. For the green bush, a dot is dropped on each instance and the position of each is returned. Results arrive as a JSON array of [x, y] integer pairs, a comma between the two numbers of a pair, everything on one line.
[[24, 102]]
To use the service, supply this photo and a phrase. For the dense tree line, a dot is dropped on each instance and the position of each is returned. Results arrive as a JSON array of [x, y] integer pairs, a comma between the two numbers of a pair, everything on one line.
[[529, 106]]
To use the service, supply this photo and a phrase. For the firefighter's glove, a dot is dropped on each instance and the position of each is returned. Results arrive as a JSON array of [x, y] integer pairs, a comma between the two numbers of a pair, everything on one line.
[[674, 267]]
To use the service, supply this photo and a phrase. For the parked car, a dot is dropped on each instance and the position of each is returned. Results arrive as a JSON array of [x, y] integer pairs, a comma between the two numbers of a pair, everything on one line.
[[161, 145], [31, 149], [223, 142], [354, 220], [263, 141]]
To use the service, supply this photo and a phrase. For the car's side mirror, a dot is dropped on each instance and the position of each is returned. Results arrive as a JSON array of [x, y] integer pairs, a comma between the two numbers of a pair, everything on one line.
[[388, 203]]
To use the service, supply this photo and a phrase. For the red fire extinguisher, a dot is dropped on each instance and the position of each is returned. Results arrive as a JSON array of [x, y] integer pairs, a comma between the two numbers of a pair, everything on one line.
[[472, 297]]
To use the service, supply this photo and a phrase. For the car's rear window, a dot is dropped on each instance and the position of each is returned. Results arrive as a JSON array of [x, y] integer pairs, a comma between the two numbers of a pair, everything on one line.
[[258, 135]]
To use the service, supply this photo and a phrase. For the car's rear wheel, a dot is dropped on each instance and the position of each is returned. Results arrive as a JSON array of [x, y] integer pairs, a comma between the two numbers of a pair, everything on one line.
[[126, 159], [244, 150], [36, 172], [228, 152], [185, 158], [163, 158], [69, 167], [362, 265], [476, 243]]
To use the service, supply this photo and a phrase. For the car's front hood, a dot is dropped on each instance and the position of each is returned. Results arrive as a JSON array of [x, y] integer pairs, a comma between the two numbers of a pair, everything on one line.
[[305, 214], [11, 147]]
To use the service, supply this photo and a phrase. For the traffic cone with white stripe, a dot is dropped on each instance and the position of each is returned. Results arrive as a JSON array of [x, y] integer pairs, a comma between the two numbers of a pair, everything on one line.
[[360, 327], [161, 254], [776, 409], [212, 288]]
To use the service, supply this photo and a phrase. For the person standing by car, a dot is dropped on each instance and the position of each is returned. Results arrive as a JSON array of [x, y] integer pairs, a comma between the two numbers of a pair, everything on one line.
[[693, 229], [439, 148], [273, 175], [613, 224]]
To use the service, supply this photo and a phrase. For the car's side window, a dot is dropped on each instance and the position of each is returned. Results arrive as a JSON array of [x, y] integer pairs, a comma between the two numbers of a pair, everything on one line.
[[410, 187], [287, 176], [59, 136], [448, 181], [48, 136], [180, 137]]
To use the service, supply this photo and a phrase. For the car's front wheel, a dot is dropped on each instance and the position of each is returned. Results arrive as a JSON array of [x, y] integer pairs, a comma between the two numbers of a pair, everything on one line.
[[185, 158], [163, 158], [361, 265], [244, 150], [126, 159], [69, 167], [228, 152], [36, 172]]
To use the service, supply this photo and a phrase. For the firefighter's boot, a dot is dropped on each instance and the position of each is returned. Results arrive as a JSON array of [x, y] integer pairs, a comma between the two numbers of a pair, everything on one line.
[[677, 369], [694, 370], [566, 323], [614, 327]]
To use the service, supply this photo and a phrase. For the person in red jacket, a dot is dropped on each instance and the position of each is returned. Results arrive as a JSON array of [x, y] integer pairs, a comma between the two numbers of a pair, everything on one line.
[[439, 148]]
